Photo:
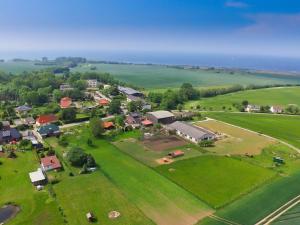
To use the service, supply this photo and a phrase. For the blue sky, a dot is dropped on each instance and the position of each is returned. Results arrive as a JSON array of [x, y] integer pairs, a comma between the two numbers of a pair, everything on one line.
[[254, 27]]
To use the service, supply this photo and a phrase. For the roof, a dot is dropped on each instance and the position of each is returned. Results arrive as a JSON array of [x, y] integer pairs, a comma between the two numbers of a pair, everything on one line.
[[147, 122], [37, 175], [107, 124], [23, 108], [65, 102], [103, 101], [29, 120], [190, 130], [51, 161], [48, 129], [46, 119], [161, 114], [277, 107], [177, 153], [128, 91], [9, 135], [5, 123]]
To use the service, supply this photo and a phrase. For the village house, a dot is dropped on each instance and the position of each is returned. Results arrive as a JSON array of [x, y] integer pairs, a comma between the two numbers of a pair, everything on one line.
[[46, 119], [145, 105], [190, 132], [252, 108], [108, 125], [29, 121], [276, 109], [93, 83], [37, 177], [134, 119], [23, 109], [164, 117], [65, 87], [50, 163], [65, 103], [129, 91], [147, 123], [8, 134], [48, 130], [103, 102]]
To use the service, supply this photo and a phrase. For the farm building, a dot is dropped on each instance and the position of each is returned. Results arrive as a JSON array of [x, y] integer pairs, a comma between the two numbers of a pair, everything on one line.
[[50, 163], [252, 108], [176, 153], [134, 119], [37, 177], [276, 109], [48, 130], [190, 132], [23, 109], [129, 91], [9, 134], [46, 119], [164, 117], [65, 103]]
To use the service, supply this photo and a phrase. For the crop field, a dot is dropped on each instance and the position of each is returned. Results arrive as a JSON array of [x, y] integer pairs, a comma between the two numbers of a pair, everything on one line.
[[19, 67], [282, 96], [260, 203], [291, 217], [168, 204], [283, 127], [235, 140], [214, 178], [15, 187], [155, 76], [140, 152]]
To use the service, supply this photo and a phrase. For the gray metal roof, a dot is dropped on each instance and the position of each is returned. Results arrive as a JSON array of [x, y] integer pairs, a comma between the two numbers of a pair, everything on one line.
[[162, 114], [128, 90], [190, 130]]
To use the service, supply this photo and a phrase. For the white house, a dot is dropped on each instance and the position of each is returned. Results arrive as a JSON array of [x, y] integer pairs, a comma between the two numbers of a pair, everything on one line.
[[37, 177], [92, 83], [276, 109], [252, 108]]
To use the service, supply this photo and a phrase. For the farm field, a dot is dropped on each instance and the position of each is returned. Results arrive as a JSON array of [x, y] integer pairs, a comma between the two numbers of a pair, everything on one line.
[[235, 140], [214, 178], [15, 187], [282, 96], [168, 204], [260, 203], [290, 217], [155, 76], [140, 152], [19, 67], [283, 127]]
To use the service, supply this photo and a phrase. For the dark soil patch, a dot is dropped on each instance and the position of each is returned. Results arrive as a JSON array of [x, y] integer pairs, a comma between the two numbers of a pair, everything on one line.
[[161, 143]]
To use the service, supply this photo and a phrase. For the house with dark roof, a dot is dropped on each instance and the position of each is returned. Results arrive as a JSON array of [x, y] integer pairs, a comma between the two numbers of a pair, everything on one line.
[[190, 132], [129, 91], [9, 135], [48, 130], [46, 119], [23, 109], [164, 117], [50, 163]]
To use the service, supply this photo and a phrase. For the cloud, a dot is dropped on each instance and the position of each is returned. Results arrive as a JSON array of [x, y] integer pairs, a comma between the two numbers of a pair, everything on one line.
[[236, 4]]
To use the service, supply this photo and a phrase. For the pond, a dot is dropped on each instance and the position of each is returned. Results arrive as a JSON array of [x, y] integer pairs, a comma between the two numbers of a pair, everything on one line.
[[7, 212]]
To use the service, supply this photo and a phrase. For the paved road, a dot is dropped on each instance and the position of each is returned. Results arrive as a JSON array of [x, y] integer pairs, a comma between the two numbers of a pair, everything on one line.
[[83, 122]]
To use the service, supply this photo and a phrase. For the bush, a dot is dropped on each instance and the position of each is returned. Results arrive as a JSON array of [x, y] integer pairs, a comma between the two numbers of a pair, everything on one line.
[[77, 157], [63, 141], [206, 143], [90, 161]]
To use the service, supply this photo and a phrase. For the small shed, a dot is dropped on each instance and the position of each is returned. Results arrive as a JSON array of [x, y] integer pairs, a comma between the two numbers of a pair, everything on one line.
[[90, 217], [176, 153]]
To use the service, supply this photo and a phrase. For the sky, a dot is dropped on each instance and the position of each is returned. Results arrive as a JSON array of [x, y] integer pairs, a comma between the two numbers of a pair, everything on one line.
[[246, 27]]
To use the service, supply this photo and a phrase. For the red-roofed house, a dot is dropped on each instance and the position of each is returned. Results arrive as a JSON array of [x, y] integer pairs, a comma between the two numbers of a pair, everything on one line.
[[65, 103], [50, 163], [147, 123], [46, 119], [103, 102], [108, 125]]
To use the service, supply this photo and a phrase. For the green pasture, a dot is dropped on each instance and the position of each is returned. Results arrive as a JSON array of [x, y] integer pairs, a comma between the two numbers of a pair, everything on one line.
[[214, 178], [283, 127], [282, 96], [19, 67]]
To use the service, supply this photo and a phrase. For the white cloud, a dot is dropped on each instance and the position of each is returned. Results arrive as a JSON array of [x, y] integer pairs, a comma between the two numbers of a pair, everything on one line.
[[236, 4]]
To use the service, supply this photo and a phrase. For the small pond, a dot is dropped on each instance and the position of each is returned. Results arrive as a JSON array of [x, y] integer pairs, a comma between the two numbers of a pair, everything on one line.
[[7, 212]]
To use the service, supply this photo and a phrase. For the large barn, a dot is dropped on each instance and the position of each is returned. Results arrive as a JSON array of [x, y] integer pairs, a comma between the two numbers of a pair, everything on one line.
[[164, 117]]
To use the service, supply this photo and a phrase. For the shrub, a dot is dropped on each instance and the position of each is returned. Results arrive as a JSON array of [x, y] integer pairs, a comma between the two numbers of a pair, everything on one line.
[[76, 157]]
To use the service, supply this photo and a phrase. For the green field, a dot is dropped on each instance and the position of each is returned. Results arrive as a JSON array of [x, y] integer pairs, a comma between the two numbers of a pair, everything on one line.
[[286, 128], [269, 96], [158, 198], [214, 178], [154, 76], [260, 203], [15, 187], [19, 67], [291, 217]]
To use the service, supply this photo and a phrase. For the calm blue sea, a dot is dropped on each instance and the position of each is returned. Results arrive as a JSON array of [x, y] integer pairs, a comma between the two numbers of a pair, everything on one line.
[[216, 60]]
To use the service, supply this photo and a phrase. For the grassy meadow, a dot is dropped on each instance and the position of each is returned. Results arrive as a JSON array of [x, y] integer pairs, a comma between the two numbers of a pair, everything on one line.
[[214, 178], [168, 204], [283, 127], [282, 96], [15, 187], [19, 67], [158, 77]]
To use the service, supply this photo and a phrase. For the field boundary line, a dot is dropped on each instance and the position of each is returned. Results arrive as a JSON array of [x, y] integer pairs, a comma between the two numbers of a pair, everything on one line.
[[255, 132], [278, 212], [223, 220]]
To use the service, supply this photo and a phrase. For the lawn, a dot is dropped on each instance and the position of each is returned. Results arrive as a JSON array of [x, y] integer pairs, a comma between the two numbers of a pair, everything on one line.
[[260, 203], [157, 197], [286, 128], [155, 76], [216, 180], [269, 96], [15, 186], [235, 140]]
